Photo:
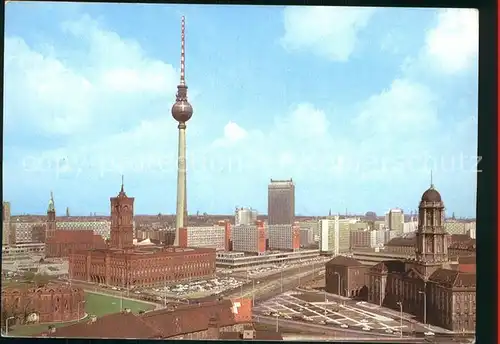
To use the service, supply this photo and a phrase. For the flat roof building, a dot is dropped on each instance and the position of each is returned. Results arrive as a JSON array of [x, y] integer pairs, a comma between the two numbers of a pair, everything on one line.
[[281, 202]]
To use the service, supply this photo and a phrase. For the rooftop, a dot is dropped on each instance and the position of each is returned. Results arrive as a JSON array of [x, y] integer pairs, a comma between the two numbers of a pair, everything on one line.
[[343, 261], [453, 278], [117, 325], [162, 323]]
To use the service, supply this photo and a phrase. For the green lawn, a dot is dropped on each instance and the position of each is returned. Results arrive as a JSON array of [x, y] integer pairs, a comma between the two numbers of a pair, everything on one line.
[[100, 305], [95, 304]]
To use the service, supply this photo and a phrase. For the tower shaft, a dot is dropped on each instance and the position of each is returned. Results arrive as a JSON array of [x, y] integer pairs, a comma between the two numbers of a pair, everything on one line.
[[181, 183]]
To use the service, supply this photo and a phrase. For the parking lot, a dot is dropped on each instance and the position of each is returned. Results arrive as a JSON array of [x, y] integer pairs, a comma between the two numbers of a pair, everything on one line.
[[308, 307], [195, 289], [316, 263]]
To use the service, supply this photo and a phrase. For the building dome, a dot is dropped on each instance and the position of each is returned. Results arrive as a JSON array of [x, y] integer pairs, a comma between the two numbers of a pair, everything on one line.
[[182, 111], [431, 195]]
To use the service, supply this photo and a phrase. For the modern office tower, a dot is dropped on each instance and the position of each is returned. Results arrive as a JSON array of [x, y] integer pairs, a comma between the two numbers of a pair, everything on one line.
[[284, 237], [329, 236], [395, 220], [281, 202], [204, 236], [249, 238]]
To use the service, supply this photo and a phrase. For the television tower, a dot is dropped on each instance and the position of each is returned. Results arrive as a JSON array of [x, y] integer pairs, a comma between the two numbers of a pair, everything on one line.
[[181, 112]]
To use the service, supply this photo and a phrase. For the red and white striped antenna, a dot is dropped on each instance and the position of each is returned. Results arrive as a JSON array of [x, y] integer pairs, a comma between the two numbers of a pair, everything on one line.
[[183, 79]]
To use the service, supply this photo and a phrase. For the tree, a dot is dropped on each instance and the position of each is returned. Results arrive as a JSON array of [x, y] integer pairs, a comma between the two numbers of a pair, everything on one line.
[[4, 315], [41, 279], [29, 276], [27, 310]]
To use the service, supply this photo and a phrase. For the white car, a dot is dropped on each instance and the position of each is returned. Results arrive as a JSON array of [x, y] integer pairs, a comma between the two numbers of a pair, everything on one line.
[[389, 331], [344, 326], [366, 328], [429, 333], [364, 321]]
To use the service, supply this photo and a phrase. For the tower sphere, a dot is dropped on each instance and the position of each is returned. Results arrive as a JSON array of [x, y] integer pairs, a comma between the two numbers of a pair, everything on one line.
[[182, 111]]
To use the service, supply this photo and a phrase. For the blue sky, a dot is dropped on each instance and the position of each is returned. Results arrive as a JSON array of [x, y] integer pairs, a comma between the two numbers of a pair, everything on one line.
[[357, 105]]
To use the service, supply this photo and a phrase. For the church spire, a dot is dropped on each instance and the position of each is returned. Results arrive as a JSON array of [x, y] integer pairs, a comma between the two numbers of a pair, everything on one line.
[[51, 203], [122, 190]]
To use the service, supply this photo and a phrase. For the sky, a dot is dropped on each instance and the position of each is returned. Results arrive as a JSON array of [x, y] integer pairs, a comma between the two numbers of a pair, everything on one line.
[[356, 105]]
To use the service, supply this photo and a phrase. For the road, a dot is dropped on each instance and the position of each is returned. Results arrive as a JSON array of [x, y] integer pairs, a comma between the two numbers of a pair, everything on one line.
[[315, 337], [271, 286]]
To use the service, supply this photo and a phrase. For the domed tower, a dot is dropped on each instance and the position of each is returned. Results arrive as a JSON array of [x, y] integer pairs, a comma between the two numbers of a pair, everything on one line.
[[181, 112], [51, 218], [431, 249], [122, 217]]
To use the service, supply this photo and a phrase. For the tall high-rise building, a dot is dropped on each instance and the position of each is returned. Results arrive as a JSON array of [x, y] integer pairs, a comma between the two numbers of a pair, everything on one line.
[[6, 225], [281, 202], [329, 236], [395, 220], [181, 112]]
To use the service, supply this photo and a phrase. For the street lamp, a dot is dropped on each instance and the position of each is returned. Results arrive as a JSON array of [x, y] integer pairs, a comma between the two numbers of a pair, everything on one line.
[[277, 322], [425, 305], [253, 292], [400, 304], [299, 274], [377, 281], [281, 278], [326, 301], [338, 281], [7, 325]]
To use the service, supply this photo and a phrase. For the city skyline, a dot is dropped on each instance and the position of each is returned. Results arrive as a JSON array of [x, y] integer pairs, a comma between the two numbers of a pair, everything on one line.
[[351, 110]]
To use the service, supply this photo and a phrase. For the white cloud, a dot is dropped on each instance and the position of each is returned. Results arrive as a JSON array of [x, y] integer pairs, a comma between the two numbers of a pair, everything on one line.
[[330, 32], [304, 122], [233, 132], [405, 108], [47, 81], [118, 78], [452, 45]]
